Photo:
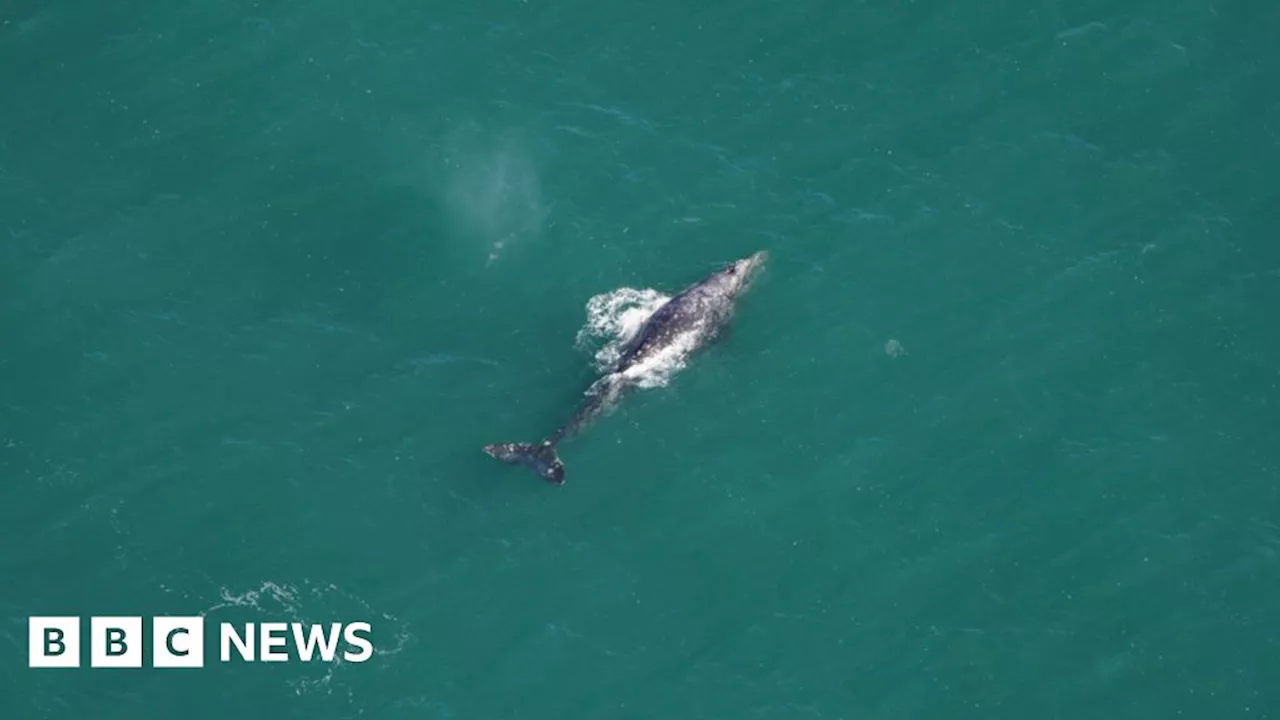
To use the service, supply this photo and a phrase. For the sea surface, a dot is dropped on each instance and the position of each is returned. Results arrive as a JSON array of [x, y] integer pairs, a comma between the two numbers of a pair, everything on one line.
[[993, 436]]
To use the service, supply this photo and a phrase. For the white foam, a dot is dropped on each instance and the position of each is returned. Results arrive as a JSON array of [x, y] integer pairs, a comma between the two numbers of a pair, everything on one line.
[[614, 318]]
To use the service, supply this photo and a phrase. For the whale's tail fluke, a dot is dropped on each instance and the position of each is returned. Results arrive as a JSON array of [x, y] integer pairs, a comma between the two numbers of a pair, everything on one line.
[[539, 457]]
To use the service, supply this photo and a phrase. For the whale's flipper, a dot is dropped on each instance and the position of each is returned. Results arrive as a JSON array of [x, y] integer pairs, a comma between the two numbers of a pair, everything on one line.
[[540, 457]]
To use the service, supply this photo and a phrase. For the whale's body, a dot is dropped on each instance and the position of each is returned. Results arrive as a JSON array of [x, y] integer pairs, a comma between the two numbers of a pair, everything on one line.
[[687, 323]]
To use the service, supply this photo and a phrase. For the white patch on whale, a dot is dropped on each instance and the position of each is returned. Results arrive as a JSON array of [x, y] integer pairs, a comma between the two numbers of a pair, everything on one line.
[[614, 318]]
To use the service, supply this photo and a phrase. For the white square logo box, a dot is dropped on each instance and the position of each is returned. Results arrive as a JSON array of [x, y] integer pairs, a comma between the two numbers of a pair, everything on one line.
[[177, 642], [53, 642], [115, 642]]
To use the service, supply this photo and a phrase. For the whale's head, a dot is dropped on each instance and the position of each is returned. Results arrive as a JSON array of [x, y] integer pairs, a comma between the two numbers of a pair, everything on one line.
[[736, 277]]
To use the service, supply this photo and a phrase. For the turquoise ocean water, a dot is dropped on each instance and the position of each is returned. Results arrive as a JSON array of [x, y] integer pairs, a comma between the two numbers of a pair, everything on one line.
[[992, 437]]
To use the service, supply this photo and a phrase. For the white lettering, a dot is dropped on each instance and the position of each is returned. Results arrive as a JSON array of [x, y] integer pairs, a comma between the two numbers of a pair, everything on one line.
[[271, 639], [243, 645], [316, 636], [353, 638]]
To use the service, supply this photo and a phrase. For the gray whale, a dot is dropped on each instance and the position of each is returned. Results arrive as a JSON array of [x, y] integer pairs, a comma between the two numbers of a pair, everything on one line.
[[688, 322]]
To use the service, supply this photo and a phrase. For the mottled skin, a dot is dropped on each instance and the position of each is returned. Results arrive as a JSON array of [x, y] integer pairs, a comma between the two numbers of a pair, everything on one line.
[[697, 315]]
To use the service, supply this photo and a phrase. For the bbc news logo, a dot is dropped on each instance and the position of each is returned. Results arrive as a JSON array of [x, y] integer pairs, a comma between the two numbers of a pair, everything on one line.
[[178, 642]]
